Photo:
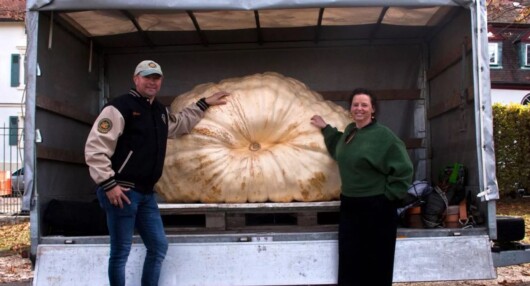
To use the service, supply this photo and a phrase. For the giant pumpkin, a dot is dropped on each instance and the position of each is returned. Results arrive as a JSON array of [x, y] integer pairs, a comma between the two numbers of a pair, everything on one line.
[[259, 147]]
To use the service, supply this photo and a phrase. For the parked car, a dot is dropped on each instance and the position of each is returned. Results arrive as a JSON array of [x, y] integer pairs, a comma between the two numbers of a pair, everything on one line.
[[17, 181]]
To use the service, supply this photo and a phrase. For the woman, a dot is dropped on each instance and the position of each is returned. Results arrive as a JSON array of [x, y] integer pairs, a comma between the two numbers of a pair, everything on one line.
[[376, 172]]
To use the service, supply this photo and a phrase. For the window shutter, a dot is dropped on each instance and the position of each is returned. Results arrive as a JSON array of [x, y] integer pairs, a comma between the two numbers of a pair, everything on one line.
[[13, 130], [15, 70]]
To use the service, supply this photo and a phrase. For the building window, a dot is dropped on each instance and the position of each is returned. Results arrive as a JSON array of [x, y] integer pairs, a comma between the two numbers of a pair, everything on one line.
[[526, 99], [525, 55], [15, 70], [495, 52]]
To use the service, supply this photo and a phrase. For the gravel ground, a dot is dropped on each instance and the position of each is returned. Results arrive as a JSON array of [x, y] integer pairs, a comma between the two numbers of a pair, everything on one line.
[[517, 275], [15, 270]]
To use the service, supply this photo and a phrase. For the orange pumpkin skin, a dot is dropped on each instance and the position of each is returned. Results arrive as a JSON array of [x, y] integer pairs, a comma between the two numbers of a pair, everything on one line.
[[259, 147]]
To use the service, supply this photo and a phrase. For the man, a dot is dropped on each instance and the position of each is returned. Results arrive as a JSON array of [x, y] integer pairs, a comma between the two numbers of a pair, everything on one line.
[[125, 153]]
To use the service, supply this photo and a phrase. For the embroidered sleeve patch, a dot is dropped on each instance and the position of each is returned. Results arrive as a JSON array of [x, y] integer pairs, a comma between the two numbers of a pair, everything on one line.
[[104, 125]]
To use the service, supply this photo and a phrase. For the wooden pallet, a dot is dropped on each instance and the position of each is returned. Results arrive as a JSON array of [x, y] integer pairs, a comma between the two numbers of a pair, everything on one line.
[[300, 216]]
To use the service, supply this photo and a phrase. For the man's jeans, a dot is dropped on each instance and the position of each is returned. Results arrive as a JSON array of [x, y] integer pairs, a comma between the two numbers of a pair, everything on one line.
[[143, 214]]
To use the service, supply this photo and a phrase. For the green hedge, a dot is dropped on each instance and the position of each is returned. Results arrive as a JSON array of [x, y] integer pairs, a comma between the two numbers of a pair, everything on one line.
[[511, 126]]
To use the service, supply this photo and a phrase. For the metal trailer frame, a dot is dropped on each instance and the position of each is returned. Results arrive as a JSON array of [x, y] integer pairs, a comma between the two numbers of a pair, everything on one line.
[[317, 264]]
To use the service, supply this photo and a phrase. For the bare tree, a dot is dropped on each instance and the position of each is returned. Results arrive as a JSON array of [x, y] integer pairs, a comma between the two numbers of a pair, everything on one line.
[[508, 11]]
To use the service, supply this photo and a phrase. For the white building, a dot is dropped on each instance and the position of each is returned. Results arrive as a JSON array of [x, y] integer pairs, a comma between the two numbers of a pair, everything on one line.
[[510, 96], [12, 74]]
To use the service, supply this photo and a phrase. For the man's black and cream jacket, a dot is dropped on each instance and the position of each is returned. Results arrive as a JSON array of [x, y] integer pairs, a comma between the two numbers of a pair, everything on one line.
[[127, 143]]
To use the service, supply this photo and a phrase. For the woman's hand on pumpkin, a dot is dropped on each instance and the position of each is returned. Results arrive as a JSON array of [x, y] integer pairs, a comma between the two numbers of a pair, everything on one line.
[[318, 121], [217, 98]]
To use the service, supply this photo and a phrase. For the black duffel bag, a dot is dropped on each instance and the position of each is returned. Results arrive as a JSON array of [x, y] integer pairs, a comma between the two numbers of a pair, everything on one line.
[[434, 210]]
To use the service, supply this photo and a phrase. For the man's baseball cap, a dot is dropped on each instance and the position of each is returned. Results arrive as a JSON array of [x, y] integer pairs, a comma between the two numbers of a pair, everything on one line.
[[148, 67]]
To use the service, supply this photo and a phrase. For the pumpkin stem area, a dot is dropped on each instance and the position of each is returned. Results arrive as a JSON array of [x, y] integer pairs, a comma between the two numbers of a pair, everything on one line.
[[254, 146]]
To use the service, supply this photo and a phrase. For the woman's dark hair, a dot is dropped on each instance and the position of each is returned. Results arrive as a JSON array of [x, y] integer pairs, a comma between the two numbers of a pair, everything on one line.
[[373, 99]]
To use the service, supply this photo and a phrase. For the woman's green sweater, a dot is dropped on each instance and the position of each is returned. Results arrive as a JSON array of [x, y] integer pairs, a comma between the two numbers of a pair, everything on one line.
[[375, 161]]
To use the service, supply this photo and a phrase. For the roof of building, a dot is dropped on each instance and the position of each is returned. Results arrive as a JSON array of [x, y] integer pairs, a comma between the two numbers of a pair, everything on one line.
[[12, 10], [510, 72]]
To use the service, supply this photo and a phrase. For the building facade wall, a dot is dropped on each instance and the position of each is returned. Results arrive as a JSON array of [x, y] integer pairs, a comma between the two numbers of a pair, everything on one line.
[[13, 42], [508, 96], [510, 76]]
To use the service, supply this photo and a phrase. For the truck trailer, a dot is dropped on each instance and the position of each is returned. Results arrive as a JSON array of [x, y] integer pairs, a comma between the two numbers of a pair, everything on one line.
[[427, 60]]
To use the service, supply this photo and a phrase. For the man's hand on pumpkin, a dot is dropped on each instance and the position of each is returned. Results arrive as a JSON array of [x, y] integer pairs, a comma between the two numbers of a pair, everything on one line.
[[217, 98]]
